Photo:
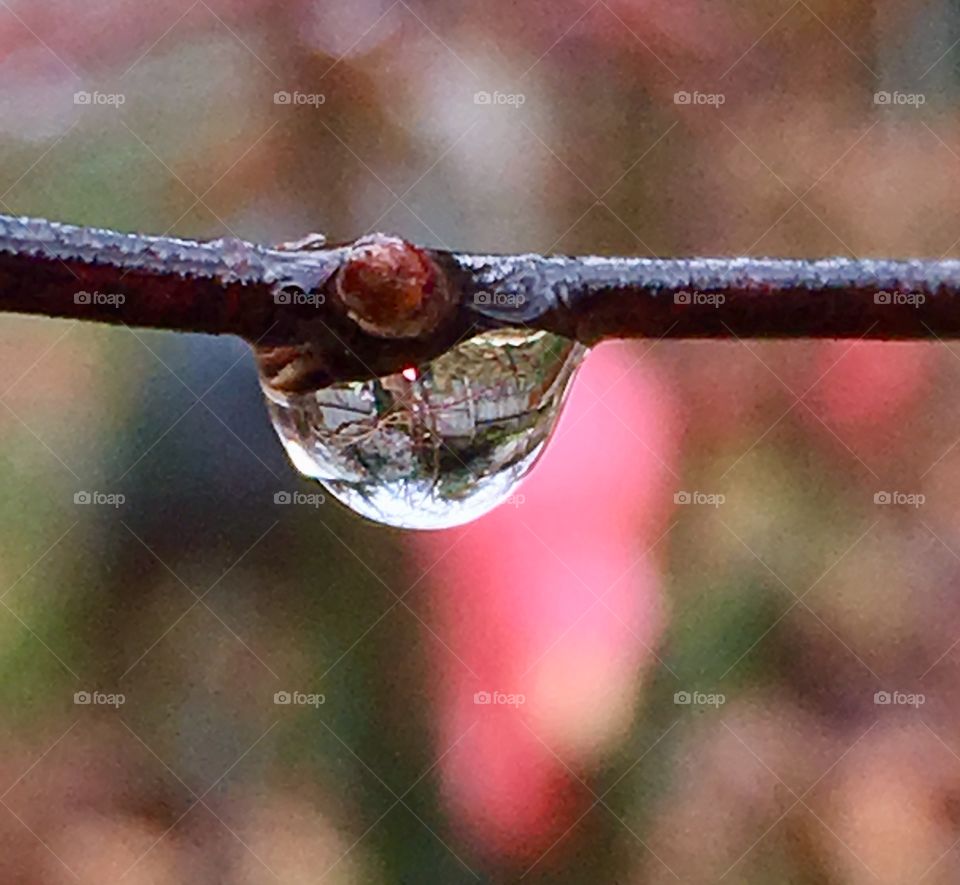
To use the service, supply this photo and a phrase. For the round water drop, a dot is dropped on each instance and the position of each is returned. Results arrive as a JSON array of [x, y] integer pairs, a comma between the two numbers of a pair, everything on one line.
[[433, 446]]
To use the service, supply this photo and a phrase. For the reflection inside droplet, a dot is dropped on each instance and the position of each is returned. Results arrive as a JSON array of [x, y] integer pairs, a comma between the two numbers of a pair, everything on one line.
[[432, 446]]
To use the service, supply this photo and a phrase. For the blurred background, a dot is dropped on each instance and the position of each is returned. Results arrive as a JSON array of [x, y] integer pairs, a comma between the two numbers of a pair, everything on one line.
[[724, 605]]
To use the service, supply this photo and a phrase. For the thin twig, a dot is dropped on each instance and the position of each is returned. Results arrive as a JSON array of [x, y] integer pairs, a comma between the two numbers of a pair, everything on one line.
[[376, 305], [593, 298]]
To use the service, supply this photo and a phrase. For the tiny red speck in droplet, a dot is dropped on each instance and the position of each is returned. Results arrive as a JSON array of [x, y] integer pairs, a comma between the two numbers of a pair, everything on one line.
[[410, 373]]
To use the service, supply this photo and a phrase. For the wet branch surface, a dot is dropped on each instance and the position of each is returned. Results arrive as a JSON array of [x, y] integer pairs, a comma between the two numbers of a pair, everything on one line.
[[378, 304]]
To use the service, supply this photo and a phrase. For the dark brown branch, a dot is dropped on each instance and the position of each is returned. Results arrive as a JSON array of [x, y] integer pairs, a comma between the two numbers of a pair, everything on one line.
[[217, 287], [379, 304], [592, 299]]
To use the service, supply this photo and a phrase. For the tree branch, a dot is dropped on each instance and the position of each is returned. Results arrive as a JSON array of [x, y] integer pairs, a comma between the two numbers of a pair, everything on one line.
[[378, 304], [592, 299]]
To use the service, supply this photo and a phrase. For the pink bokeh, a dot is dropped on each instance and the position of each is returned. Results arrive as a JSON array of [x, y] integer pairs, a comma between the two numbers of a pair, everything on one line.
[[555, 597]]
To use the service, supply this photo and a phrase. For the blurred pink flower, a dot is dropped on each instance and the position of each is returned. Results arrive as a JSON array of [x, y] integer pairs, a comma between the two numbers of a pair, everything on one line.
[[552, 602], [866, 386]]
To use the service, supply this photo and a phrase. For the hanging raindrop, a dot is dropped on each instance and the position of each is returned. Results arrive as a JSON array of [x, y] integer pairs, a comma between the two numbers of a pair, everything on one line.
[[432, 446]]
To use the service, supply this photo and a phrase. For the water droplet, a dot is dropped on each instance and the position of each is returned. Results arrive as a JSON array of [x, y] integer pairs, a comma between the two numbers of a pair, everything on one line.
[[433, 446]]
